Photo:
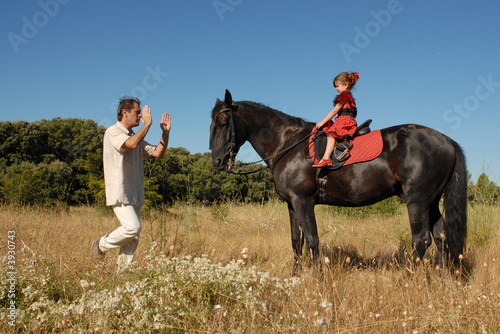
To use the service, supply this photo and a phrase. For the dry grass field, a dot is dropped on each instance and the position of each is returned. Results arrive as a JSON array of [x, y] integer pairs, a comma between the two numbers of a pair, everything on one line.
[[228, 269]]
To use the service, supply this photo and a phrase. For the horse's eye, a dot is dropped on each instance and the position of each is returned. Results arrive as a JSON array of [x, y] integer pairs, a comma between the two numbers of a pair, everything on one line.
[[224, 119]]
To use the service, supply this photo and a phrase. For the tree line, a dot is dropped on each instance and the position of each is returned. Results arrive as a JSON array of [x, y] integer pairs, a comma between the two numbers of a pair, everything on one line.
[[60, 161]]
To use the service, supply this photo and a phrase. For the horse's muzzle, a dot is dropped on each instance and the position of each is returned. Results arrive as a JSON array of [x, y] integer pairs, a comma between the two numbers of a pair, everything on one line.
[[221, 166]]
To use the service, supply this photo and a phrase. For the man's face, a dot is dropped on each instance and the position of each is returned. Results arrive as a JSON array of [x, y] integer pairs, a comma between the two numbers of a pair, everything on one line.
[[132, 118]]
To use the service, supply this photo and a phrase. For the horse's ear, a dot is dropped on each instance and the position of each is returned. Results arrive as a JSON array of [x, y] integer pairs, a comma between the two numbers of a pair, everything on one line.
[[217, 102], [228, 99]]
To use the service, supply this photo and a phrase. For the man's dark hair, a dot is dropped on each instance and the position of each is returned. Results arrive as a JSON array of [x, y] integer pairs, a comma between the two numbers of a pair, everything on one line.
[[126, 103]]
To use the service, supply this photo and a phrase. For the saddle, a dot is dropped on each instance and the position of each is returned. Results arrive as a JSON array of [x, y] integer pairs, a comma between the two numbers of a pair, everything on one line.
[[317, 144]]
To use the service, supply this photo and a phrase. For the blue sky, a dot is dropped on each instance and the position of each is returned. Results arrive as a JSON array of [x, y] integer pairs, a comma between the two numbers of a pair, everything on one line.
[[434, 63]]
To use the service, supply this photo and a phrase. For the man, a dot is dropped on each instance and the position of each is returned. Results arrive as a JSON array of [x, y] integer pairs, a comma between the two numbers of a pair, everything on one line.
[[123, 155]]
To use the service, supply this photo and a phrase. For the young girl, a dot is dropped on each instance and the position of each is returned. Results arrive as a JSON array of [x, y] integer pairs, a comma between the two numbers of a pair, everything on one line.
[[345, 109]]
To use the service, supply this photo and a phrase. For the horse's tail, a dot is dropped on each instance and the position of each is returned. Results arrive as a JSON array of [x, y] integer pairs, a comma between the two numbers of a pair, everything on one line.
[[455, 208]]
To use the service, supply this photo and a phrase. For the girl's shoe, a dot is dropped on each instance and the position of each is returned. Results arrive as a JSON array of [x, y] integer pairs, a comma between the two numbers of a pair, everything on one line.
[[323, 163]]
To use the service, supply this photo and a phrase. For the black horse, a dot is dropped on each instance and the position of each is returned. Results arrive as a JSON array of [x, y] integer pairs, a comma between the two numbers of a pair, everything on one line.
[[417, 163]]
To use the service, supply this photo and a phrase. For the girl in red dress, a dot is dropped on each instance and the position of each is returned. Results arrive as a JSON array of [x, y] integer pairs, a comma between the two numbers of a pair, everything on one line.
[[345, 109]]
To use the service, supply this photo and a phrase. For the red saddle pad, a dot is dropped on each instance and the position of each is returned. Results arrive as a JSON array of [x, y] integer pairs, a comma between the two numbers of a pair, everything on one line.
[[364, 148]]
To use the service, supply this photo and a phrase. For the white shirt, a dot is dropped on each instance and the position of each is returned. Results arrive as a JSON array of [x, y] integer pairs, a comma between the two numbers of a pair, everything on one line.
[[124, 168]]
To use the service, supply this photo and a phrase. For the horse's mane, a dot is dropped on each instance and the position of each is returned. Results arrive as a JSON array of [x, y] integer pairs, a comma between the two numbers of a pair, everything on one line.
[[265, 109]]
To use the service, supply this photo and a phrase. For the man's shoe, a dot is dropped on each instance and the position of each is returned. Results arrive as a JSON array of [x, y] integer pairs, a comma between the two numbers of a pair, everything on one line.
[[97, 253]]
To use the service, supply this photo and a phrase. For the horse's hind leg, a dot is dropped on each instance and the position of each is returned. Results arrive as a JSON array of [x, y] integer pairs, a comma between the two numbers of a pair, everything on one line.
[[437, 229], [420, 231]]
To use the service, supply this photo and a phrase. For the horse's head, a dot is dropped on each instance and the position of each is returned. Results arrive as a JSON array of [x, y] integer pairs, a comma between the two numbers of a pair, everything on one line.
[[226, 133]]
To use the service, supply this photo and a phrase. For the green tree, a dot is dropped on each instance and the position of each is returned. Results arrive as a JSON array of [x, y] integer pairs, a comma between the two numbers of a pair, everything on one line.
[[71, 141], [484, 191], [172, 174], [29, 183], [61, 160], [260, 186], [206, 182], [151, 196], [22, 141]]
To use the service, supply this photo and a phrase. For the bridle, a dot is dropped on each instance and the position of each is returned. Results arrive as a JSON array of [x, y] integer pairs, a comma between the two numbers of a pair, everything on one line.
[[232, 141]]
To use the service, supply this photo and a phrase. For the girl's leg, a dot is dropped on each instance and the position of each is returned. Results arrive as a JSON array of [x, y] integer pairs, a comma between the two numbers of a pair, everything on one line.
[[330, 145]]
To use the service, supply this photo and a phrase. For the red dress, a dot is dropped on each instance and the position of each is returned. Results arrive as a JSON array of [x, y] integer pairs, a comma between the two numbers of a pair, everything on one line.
[[345, 123]]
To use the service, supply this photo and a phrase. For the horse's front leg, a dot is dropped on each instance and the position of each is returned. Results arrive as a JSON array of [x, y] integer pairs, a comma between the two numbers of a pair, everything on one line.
[[297, 238], [303, 227]]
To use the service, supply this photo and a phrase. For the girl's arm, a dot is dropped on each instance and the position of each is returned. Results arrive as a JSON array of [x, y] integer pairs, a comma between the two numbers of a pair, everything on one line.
[[330, 115]]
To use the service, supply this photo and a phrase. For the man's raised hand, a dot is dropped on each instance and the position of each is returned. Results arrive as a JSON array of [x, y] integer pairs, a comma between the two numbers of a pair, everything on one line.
[[165, 123], [146, 116]]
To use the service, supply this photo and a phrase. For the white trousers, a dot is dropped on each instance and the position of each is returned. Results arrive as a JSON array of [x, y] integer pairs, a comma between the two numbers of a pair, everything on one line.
[[126, 237]]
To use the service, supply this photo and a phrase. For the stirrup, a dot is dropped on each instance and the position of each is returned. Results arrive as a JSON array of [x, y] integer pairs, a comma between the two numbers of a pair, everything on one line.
[[344, 144], [343, 156]]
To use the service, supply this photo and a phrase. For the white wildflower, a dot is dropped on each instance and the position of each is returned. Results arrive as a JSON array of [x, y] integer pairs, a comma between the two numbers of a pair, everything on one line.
[[325, 304], [84, 284]]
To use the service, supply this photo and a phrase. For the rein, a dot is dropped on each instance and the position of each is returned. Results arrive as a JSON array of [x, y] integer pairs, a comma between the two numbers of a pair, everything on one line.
[[232, 155], [269, 157]]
